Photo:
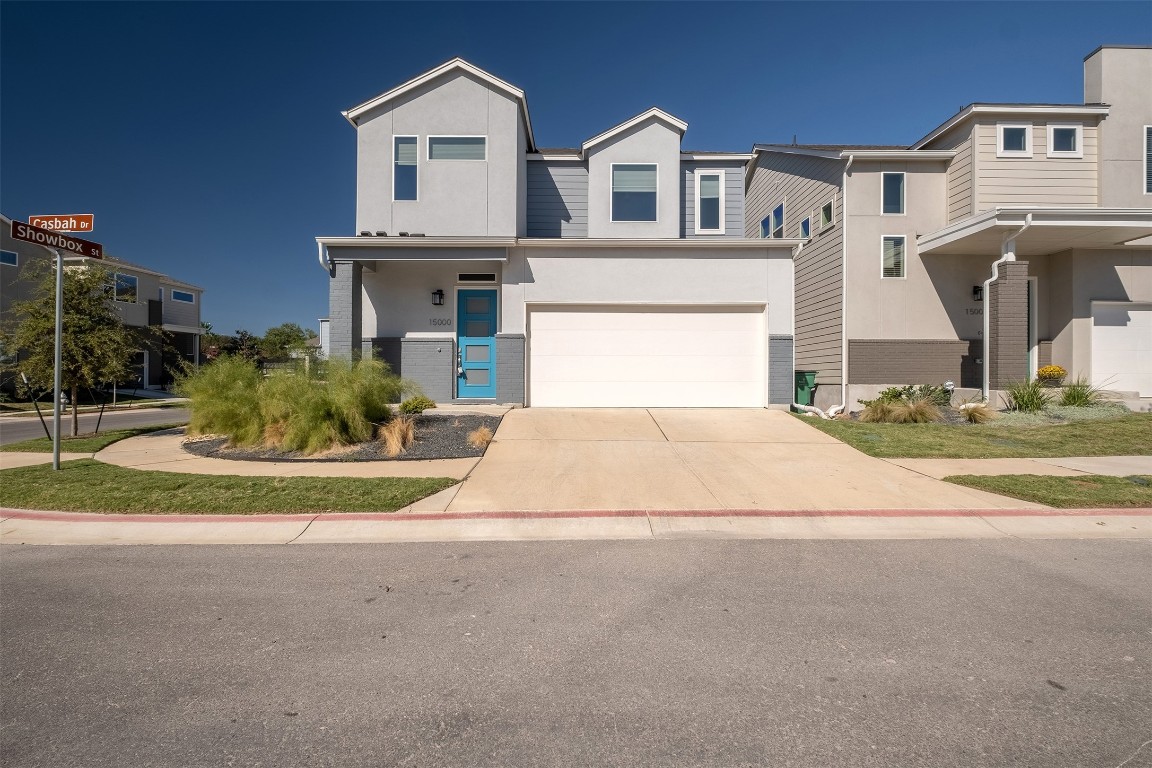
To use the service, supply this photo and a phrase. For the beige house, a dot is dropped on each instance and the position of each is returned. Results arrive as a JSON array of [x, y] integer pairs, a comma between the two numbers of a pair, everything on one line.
[[141, 296], [1010, 237]]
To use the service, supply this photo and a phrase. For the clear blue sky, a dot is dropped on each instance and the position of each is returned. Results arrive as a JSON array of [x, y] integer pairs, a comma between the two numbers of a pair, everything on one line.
[[207, 137]]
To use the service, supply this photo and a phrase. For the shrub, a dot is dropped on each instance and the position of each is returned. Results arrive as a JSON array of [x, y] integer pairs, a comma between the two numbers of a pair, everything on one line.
[[1051, 374], [289, 411], [397, 435], [938, 395], [920, 410], [480, 437], [1080, 394], [1027, 396], [416, 405], [224, 400], [877, 412]]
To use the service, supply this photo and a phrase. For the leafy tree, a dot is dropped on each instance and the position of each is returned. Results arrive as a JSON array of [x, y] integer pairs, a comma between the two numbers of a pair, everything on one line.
[[281, 341], [97, 347]]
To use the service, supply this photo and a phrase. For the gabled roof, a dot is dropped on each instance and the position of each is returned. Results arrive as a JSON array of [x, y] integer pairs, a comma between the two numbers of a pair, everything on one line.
[[1057, 110], [457, 64], [675, 123]]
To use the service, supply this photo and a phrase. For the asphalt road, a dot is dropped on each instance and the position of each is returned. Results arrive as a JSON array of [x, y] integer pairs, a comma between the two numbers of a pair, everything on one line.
[[667, 653], [14, 429]]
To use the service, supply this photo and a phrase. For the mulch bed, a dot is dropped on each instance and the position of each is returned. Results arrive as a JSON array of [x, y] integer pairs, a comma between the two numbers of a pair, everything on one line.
[[437, 437]]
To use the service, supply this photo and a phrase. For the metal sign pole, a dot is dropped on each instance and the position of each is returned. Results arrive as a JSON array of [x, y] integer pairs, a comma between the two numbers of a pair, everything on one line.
[[58, 361]]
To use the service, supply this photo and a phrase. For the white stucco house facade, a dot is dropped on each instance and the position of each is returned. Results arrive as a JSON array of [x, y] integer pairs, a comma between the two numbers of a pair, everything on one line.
[[614, 274]]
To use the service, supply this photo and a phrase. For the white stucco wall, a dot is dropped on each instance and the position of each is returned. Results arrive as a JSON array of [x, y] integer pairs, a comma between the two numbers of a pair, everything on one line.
[[651, 141]]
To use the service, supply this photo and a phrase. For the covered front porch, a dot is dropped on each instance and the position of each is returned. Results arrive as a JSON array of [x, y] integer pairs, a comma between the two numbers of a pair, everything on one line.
[[1071, 287]]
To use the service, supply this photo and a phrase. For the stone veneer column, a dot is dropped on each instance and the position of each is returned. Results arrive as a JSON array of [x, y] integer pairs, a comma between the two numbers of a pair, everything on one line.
[[345, 314], [1008, 325]]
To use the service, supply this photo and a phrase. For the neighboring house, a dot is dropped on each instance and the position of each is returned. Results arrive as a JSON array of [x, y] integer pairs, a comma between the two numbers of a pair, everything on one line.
[[142, 297], [1010, 237], [616, 273]]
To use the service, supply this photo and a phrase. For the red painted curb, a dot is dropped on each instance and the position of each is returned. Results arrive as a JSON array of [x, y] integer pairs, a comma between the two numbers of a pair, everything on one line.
[[400, 517]]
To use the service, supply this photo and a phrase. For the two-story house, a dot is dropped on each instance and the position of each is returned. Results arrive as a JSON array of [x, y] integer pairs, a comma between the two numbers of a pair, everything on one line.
[[1010, 237], [141, 296], [616, 273]]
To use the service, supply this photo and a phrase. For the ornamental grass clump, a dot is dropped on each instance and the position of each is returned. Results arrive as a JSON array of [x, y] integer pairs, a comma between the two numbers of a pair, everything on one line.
[[397, 435], [1080, 394], [1027, 396], [920, 410], [290, 411]]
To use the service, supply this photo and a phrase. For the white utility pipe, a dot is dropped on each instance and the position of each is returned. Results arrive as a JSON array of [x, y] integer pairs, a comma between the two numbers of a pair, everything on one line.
[[843, 291], [1008, 253]]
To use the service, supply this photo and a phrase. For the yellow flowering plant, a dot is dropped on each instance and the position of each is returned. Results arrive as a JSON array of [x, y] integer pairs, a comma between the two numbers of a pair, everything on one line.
[[1051, 373]]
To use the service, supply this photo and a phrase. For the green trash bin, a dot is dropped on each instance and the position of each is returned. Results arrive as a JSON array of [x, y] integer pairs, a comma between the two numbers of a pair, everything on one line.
[[805, 387]]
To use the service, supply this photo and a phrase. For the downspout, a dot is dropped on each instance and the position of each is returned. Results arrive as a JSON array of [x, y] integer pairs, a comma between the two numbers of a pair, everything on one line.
[[1008, 253], [834, 410], [325, 262]]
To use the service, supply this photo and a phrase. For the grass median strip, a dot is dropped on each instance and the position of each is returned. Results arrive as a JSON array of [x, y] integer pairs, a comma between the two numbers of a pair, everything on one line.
[[90, 486], [1123, 436], [1086, 491], [84, 443]]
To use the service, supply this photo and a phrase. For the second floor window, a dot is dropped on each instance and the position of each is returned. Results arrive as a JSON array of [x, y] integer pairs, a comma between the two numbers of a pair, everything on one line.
[[457, 148], [404, 168], [125, 288], [709, 203], [1148, 159], [634, 192], [1014, 140], [184, 296], [893, 184]]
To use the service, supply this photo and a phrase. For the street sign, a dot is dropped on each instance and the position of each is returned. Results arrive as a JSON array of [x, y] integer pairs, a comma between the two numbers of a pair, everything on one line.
[[50, 239], [68, 222]]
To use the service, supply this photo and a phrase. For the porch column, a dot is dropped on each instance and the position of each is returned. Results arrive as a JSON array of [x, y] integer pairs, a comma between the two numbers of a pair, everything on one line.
[[345, 290], [1008, 325]]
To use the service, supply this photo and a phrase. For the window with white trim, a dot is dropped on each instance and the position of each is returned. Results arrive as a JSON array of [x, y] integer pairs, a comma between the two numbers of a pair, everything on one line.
[[1065, 140], [9, 258], [184, 296], [892, 185], [457, 148], [827, 214], [892, 256], [710, 202], [806, 228], [773, 225], [125, 288], [634, 192], [1013, 139], [404, 154]]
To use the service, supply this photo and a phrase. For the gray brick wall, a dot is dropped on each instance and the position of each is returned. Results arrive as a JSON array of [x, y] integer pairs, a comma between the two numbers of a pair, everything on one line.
[[387, 349], [1008, 325], [781, 381], [430, 363], [510, 368], [344, 310], [914, 361]]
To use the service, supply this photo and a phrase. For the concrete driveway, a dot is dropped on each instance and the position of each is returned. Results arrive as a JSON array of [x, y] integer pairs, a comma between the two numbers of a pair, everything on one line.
[[690, 459]]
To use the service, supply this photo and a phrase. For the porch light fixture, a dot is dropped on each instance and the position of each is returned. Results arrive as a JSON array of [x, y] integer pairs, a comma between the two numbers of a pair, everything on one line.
[[438, 298], [977, 293]]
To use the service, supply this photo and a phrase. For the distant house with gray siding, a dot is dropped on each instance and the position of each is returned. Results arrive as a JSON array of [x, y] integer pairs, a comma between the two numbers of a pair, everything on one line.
[[616, 273], [1010, 237]]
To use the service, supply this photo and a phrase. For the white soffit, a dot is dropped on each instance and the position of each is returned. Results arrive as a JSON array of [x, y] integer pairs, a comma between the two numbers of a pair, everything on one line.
[[1052, 230]]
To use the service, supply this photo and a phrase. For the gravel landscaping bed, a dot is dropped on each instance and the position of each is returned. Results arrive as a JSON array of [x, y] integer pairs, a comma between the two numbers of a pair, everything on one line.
[[437, 437]]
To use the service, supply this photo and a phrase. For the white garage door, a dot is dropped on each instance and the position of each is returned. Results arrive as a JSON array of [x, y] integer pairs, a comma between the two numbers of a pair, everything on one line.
[[1122, 347], [646, 357]]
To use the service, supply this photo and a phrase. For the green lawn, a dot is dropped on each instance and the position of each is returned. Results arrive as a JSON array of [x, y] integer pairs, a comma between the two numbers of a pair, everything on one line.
[[1127, 435], [84, 443], [1086, 491], [90, 486]]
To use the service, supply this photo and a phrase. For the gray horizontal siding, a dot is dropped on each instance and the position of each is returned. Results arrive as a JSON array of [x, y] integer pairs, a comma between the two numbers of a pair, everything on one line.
[[733, 198], [557, 199], [804, 184]]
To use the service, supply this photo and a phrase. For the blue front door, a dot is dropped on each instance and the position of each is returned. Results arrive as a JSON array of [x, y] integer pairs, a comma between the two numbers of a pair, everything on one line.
[[476, 343]]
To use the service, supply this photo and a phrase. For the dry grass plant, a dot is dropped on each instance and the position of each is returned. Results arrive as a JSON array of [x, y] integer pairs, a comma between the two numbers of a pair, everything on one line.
[[397, 435], [480, 437], [977, 413], [877, 412], [917, 411]]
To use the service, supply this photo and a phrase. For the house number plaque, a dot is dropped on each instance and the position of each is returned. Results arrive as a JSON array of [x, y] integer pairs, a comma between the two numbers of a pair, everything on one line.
[[441, 321]]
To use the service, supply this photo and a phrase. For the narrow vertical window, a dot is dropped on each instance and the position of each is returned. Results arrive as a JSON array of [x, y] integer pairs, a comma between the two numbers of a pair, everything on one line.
[[709, 203], [893, 256], [1148, 159], [126, 288], [633, 193], [827, 215], [893, 184], [806, 228], [404, 168]]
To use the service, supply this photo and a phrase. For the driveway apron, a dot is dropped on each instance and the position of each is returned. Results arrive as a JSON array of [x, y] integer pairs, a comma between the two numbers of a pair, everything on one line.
[[691, 459]]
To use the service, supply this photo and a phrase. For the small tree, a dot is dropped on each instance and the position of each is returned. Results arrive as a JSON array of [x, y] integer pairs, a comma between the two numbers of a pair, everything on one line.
[[97, 346], [281, 341]]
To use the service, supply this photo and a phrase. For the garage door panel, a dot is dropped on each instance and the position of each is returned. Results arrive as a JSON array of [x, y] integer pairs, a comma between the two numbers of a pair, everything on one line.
[[645, 356], [1122, 347]]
